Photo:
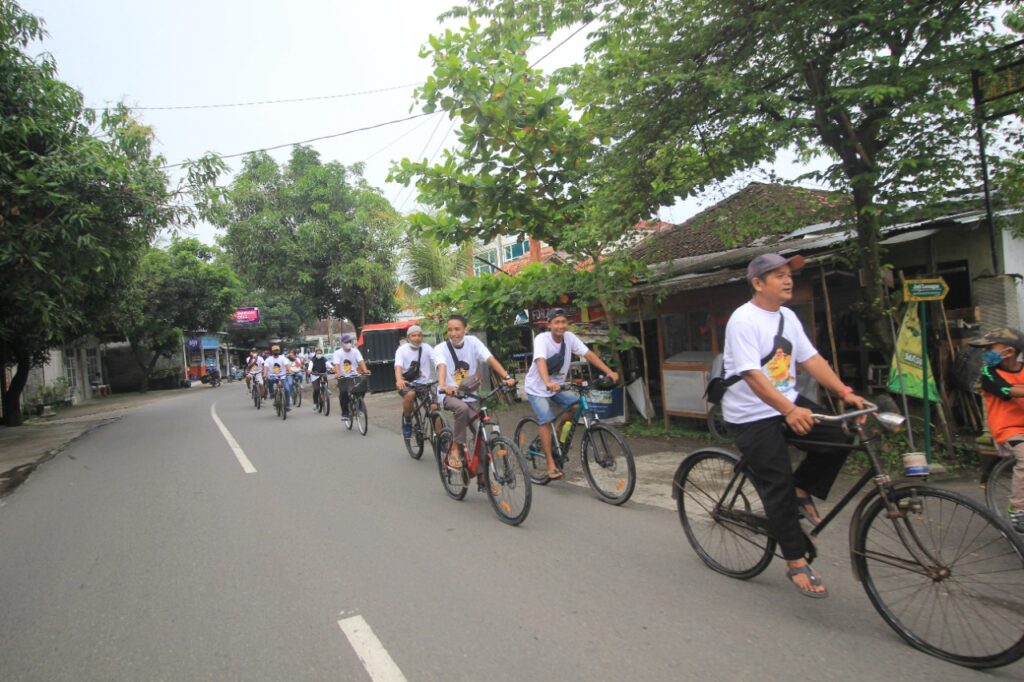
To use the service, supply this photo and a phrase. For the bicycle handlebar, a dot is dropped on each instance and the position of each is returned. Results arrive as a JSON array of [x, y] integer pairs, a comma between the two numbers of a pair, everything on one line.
[[872, 408]]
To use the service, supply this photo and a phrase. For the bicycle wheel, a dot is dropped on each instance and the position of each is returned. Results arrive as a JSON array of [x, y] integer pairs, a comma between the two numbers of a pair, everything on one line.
[[730, 538], [946, 575], [434, 420], [509, 480], [359, 416], [256, 395], [414, 444], [716, 424], [997, 487], [325, 401], [608, 463], [527, 439], [282, 405], [297, 394], [455, 481]]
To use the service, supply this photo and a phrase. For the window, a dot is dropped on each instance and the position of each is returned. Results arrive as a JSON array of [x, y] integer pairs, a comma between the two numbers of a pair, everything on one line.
[[481, 268], [519, 248]]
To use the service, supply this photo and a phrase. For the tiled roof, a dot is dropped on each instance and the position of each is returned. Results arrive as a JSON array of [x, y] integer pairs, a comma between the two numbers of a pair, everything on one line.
[[757, 210], [513, 267]]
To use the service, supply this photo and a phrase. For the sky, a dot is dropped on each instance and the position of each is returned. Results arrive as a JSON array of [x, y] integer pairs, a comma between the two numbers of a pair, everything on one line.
[[196, 53]]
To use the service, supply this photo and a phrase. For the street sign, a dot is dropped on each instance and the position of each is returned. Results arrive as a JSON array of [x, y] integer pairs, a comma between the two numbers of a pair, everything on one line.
[[925, 289]]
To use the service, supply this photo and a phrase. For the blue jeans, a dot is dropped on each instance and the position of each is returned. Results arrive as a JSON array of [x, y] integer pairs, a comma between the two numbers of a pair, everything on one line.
[[547, 409], [286, 384]]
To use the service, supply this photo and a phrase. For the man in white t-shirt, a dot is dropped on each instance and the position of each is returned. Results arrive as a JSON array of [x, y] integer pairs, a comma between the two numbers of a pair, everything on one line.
[[348, 365], [275, 371], [552, 357], [460, 357], [764, 342], [414, 364], [254, 371]]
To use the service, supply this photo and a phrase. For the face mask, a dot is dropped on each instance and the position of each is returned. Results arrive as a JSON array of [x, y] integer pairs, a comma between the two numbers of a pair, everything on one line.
[[346, 346], [319, 355], [414, 346], [992, 357]]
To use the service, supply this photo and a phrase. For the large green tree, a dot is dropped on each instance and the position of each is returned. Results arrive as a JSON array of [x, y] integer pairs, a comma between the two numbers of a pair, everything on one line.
[[80, 199], [688, 92], [429, 263], [180, 288], [317, 232]]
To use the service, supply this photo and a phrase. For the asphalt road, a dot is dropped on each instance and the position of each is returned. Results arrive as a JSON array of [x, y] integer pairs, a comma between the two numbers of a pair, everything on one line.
[[146, 552]]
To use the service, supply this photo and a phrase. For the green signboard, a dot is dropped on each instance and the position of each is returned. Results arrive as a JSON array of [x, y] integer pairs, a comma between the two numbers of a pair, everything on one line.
[[925, 289]]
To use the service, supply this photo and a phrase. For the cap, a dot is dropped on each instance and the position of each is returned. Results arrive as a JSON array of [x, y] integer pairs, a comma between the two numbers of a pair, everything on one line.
[[276, 349], [414, 330], [767, 262], [347, 338], [1008, 335], [556, 312]]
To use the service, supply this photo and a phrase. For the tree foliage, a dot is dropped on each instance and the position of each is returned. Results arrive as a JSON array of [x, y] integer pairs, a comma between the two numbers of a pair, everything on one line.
[[80, 198], [431, 264], [313, 232], [181, 288]]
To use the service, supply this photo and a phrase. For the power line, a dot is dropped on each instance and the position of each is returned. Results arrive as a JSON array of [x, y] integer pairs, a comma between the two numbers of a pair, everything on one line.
[[265, 101], [422, 152], [400, 137], [570, 37], [312, 139]]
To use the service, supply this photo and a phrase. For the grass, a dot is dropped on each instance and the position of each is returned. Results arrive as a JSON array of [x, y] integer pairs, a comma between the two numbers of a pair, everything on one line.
[[640, 429]]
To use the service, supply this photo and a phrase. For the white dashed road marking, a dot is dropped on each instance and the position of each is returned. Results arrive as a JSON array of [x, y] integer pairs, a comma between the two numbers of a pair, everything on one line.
[[247, 466], [371, 652]]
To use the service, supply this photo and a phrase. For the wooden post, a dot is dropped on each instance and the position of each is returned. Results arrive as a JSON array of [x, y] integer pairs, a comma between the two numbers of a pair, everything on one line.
[[643, 349], [831, 332]]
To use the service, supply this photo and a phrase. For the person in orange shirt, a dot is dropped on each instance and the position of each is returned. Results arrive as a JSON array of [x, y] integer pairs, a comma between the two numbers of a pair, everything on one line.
[[1002, 380]]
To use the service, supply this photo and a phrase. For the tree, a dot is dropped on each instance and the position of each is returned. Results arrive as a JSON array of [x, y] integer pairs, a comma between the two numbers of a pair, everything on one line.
[[430, 264], [689, 92], [80, 198], [178, 288], [315, 231]]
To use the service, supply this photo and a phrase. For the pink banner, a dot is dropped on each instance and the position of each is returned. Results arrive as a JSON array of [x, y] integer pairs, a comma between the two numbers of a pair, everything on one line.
[[246, 316]]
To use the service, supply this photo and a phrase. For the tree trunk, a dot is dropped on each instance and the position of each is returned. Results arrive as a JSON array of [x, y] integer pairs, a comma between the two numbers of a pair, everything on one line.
[[12, 394], [874, 296], [145, 367]]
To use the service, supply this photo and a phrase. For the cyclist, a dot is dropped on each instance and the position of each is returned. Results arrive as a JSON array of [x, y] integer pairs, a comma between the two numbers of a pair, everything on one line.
[[295, 368], [456, 359], [318, 367], [552, 357], [764, 342], [348, 363], [1002, 380], [275, 370], [414, 364], [254, 371]]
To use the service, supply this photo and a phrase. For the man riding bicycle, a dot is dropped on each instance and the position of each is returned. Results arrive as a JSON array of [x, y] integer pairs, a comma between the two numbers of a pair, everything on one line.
[[348, 365], [764, 342], [254, 371], [318, 368], [552, 357], [275, 371], [1002, 380], [414, 365]]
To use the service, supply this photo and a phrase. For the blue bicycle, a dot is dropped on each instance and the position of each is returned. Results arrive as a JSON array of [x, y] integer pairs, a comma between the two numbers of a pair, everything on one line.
[[605, 456]]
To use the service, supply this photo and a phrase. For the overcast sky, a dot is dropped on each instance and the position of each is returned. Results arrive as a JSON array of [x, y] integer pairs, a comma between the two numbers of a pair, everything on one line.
[[194, 53]]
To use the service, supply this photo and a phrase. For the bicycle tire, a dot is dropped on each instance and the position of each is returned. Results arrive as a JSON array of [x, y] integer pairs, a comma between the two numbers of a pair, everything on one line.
[[325, 401], [454, 481], [732, 543], [515, 495], [360, 416], [414, 444], [297, 394], [716, 424], [608, 464], [256, 396], [998, 485], [527, 439], [283, 406], [432, 433], [980, 576]]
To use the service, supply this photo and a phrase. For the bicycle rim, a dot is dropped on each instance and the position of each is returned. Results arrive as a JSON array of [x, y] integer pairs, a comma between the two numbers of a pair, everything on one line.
[[527, 439], [998, 487], [414, 445], [325, 403], [297, 397], [947, 576], [726, 539], [360, 416], [509, 480], [455, 481], [608, 464]]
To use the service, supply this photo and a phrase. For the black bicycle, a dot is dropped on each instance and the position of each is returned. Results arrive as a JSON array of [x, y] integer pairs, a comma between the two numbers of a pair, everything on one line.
[[426, 420], [256, 392], [321, 393], [605, 457], [941, 569], [356, 405], [276, 387], [296, 390]]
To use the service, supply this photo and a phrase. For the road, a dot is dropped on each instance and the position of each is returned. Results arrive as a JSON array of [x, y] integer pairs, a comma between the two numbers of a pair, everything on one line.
[[146, 552]]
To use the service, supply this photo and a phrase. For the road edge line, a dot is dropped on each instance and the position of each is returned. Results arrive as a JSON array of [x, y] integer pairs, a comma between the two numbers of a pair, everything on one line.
[[247, 466]]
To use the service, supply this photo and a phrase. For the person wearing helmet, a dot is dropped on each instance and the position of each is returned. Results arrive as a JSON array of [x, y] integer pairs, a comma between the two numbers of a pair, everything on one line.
[[1002, 381], [275, 371], [552, 357], [348, 364]]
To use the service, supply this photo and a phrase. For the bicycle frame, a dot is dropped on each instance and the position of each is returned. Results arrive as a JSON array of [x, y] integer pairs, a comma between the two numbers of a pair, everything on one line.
[[581, 409], [486, 428]]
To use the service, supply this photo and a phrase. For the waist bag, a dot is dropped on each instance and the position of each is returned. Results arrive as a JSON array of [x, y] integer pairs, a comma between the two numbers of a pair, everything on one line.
[[556, 360], [413, 372]]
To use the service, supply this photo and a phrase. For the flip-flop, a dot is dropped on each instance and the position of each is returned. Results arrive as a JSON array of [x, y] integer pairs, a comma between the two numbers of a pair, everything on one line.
[[554, 474], [803, 502], [458, 460], [812, 577]]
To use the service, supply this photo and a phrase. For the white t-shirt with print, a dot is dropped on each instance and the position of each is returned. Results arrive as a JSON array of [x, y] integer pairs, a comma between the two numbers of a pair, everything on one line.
[[749, 337], [278, 362], [544, 346], [347, 361], [472, 354], [256, 366], [406, 355]]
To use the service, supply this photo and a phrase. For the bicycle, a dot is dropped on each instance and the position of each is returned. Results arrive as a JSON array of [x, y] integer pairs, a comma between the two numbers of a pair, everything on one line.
[[605, 457], [504, 475], [356, 405], [276, 386], [424, 420], [321, 393], [296, 389], [255, 391], [997, 480], [941, 570]]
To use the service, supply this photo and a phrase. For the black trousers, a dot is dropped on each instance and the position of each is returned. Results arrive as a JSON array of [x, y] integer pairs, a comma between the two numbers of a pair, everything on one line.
[[765, 444]]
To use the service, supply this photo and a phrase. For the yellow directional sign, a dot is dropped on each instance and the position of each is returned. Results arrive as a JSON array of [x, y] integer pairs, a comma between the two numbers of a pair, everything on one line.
[[925, 289]]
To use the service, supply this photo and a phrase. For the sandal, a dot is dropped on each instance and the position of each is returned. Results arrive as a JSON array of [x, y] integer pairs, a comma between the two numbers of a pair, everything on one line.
[[812, 515], [554, 474], [812, 577], [454, 461]]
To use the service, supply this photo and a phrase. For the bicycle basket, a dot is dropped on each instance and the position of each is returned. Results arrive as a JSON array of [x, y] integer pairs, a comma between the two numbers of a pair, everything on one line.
[[359, 385]]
